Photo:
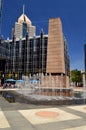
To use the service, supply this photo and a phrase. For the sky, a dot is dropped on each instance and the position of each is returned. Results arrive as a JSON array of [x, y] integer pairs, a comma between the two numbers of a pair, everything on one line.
[[71, 12]]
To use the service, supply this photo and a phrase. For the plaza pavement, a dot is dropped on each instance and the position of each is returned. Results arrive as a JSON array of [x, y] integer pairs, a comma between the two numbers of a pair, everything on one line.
[[20, 116]]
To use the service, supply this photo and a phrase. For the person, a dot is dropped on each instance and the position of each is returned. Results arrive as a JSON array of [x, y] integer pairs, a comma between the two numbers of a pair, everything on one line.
[[5, 85], [10, 85]]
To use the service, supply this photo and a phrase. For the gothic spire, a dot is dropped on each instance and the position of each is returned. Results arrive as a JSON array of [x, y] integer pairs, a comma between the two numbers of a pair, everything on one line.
[[23, 9]]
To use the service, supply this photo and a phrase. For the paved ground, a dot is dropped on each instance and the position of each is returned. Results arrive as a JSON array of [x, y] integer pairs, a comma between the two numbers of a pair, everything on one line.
[[19, 116]]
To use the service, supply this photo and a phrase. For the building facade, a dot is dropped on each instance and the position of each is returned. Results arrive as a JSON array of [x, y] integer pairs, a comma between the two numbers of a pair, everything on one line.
[[47, 54], [85, 56], [30, 54]]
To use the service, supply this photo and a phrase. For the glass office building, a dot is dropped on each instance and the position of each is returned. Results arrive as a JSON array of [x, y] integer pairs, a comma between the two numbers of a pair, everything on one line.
[[47, 54], [28, 55], [85, 55]]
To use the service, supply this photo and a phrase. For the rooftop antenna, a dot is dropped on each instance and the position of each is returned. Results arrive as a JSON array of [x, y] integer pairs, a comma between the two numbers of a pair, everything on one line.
[[23, 9], [24, 13]]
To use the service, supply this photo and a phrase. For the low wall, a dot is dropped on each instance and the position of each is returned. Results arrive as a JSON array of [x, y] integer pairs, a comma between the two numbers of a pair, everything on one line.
[[54, 92], [29, 100]]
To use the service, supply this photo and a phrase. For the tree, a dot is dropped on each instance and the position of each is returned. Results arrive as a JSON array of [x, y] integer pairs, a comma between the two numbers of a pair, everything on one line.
[[76, 77]]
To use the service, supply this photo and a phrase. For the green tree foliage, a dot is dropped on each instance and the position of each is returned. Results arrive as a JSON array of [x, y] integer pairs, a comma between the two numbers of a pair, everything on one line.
[[76, 77]]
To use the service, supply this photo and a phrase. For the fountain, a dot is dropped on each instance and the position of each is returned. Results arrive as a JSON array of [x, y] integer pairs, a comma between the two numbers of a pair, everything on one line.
[[46, 86], [49, 90]]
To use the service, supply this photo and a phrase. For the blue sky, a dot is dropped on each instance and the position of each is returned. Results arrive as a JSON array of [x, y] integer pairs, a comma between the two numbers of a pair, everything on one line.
[[71, 12]]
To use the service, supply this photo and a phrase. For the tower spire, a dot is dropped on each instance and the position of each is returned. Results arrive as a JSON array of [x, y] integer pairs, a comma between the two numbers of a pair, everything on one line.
[[23, 9]]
